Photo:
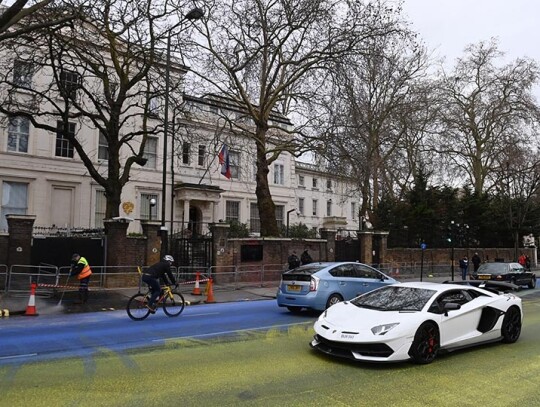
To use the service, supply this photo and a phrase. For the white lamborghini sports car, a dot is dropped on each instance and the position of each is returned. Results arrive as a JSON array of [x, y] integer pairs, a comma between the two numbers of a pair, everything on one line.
[[418, 320]]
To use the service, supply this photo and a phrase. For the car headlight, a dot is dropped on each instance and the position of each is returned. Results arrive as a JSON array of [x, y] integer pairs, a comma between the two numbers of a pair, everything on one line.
[[383, 329]]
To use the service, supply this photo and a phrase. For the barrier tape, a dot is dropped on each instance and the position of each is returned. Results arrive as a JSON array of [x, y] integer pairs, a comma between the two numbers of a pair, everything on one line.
[[205, 280], [56, 286]]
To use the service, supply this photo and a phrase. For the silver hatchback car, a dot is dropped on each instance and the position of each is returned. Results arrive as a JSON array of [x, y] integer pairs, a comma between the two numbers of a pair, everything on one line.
[[319, 285]]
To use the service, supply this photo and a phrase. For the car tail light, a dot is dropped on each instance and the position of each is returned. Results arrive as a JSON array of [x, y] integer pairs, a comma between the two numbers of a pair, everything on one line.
[[314, 283]]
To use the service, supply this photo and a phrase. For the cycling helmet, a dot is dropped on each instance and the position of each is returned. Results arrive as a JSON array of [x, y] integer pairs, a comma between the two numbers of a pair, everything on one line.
[[168, 258]]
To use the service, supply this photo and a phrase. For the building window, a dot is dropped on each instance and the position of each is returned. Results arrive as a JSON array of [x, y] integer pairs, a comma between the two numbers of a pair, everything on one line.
[[353, 211], [279, 174], [150, 152], [22, 73], [314, 210], [234, 163], [103, 147], [315, 183], [101, 208], [254, 219], [329, 184], [202, 155], [148, 211], [329, 207], [69, 83], [14, 201], [18, 131], [232, 211], [154, 105], [301, 181], [64, 148], [280, 212], [301, 205], [186, 147]]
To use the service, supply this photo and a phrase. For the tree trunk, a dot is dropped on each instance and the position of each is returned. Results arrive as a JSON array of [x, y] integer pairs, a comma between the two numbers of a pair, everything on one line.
[[267, 208]]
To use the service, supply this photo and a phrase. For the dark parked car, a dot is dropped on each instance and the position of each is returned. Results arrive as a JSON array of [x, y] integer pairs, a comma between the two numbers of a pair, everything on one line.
[[513, 273]]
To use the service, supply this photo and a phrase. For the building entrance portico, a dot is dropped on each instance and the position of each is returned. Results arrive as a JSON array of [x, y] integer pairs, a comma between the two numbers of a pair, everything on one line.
[[198, 208]]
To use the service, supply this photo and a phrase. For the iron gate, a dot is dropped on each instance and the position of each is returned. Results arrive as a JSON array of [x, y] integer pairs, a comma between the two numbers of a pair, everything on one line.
[[192, 252], [347, 250], [57, 251]]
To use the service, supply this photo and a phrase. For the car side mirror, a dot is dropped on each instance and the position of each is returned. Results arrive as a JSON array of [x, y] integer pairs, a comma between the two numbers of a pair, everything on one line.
[[450, 306]]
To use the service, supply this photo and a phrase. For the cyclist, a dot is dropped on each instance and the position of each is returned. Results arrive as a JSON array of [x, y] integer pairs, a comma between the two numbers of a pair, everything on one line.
[[152, 276]]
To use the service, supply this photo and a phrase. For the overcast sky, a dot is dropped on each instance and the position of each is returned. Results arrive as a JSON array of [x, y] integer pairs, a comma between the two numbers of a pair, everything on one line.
[[448, 26]]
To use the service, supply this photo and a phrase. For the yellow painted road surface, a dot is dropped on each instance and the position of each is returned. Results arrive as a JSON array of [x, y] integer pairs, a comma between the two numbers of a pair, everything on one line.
[[279, 369]]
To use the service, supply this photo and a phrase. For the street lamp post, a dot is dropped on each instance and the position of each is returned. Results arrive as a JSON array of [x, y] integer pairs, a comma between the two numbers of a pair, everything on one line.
[[152, 205], [194, 14], [288, 214]]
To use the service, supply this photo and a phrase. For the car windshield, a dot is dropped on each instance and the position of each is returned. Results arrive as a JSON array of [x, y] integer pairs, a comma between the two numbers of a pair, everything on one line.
[[493, 268], [395, 298]]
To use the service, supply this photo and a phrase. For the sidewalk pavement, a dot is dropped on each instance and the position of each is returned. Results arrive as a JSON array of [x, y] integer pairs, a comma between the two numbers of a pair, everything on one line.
[[116, 299], [110, 300]]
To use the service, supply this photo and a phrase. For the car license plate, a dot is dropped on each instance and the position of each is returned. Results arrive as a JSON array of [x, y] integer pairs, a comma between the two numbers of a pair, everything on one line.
[[483, 277], [295, 288]]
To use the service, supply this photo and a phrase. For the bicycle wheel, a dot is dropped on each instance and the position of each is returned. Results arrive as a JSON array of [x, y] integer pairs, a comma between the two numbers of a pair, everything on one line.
[[175, 305], [137, 307]]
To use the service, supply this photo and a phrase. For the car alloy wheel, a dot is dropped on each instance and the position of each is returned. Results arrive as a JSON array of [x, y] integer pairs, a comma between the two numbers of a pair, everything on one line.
[[333, 299], [511, 326], [426, 343]]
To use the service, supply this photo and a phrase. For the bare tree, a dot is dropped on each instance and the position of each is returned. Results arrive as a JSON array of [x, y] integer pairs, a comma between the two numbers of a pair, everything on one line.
[[485, 110], [36, 16], [263, 54], [102, 72], [379, 116]]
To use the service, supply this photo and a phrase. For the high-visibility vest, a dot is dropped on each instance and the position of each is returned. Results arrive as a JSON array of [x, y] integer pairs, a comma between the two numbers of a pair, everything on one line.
[[86, 271]]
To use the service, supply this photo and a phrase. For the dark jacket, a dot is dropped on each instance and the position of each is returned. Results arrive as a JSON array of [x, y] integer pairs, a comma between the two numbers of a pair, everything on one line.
[[294, 261], [306, 258], [161, 270]]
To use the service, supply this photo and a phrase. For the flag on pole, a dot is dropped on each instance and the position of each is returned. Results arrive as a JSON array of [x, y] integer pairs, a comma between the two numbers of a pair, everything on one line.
[[224, 161]]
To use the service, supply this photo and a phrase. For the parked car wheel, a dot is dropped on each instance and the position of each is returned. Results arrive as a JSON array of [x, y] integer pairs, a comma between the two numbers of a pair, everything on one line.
[[532, 284], [511, 326], [333, 299], [426, 344]]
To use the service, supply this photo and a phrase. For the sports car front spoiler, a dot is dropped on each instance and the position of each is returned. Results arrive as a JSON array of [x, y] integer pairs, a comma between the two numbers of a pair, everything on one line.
[[348, 350]]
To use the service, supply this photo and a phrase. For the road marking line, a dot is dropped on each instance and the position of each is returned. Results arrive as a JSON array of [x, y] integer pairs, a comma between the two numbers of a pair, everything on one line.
[[198, 315], [18, 356], [230, 332]]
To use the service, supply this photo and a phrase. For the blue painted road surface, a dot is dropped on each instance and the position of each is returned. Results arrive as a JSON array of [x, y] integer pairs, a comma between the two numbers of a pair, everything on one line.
[[30, 339]]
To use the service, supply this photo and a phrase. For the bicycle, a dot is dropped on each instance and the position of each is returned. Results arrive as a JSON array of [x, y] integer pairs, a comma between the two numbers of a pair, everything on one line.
[[171, 301]]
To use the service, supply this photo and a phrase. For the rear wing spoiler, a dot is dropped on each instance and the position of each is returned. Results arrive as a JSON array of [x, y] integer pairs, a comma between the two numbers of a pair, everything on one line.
[[493, 286]]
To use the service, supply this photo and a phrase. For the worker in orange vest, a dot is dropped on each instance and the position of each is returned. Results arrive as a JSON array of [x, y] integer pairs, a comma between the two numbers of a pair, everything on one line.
[[81, 269]]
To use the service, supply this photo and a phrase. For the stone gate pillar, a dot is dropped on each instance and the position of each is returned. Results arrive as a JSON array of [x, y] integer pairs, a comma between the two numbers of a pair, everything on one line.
[[20, 239], [365, 238], [330, 236]]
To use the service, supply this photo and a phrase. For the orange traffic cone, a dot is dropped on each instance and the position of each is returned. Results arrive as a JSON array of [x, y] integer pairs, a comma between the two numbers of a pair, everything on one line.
[[197, 289], [31, 307], [209, 292]]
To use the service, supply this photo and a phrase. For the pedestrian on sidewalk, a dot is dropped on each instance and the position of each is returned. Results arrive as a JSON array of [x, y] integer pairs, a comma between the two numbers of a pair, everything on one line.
[[306, 257], [81, 269], [476, 261], [464, 265], [293, 261]]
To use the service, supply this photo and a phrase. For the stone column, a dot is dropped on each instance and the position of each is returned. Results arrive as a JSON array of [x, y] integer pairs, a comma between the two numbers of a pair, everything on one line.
[[20, 239], [186, 214], [330, 236], [366, 246]]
